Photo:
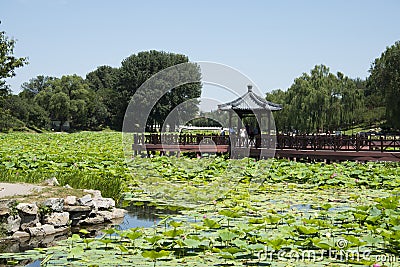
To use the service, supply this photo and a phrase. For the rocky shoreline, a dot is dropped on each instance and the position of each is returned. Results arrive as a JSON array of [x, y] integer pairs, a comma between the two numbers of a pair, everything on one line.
[[55, 216]]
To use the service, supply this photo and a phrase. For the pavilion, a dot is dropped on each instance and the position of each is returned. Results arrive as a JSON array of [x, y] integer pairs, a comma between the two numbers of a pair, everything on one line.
[[250, 105]]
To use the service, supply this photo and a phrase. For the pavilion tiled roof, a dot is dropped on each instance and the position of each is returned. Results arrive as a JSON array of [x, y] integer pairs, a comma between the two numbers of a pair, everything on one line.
[[250, 101]]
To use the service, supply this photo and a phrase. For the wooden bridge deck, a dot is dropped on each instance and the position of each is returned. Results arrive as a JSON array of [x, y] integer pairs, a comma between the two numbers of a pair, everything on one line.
[[304, 147]]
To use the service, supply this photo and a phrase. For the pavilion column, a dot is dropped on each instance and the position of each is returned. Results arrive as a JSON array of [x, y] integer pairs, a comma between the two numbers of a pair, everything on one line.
[[258, 138], [238, 131], [239, 124], [269, 122], [230, 120]]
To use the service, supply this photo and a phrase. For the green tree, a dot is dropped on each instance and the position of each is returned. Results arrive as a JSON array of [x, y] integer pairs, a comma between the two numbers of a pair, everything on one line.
[[384, 79], [8, 62], [27, 111], [70, 99], [103, 82], [136, 69], [319, 101], [59, 107], [35, 86]]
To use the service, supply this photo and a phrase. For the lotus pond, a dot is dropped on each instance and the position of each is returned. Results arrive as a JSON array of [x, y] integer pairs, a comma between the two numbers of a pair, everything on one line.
[[223, 212]]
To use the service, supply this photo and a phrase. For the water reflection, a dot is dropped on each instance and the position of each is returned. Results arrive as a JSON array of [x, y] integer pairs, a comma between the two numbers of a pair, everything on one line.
[[145, 215]]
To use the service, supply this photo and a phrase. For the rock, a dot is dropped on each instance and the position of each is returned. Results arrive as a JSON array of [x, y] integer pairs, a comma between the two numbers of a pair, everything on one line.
[[35, 231], [4, 211], [118, 213], [76, 215], [13, 223], [29, 221], [77, 208], [104, 203], [86, 201], [27, 208], [28, 214], [55, 204], [18, 235], [67, 186], [5, 205], [61, 230], [48, 229], [51, 182], [57, 219], [95, 193], [43, 230], [107, 215], [97, 219], [70, 200]]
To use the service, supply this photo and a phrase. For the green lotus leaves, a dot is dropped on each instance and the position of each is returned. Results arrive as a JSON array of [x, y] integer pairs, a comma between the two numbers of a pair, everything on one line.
[[297, 208]]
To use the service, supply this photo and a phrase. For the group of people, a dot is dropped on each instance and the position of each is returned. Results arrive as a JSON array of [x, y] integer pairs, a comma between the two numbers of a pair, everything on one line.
[[244, 132]]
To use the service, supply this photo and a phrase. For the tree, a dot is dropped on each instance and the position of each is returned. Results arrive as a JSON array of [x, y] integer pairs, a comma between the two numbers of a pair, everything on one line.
[[70, 99], [385, 81], [136, 69], [8, 62], [103, 82], [35, 86], [59, 107], [319, 101]]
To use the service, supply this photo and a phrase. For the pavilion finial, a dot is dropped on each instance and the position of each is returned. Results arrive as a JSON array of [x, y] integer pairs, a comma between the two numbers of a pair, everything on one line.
[[249, 88]]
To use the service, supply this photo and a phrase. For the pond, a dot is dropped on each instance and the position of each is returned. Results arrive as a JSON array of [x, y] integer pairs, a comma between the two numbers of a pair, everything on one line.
[[137, 216]]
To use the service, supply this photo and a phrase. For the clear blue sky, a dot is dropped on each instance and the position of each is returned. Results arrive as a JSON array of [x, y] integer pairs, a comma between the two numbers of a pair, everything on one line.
[[272, 42]]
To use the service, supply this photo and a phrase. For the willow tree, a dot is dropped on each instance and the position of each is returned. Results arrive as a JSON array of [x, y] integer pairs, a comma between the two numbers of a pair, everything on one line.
[[319, 101]]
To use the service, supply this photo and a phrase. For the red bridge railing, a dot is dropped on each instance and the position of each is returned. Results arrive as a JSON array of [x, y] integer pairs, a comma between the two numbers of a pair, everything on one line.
[[280, 141]]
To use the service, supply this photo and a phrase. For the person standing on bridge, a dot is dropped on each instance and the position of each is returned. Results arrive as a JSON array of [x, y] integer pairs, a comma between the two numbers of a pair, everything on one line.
[[242, 137]]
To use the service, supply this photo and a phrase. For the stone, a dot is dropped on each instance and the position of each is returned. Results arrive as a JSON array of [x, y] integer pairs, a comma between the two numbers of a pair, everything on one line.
[[18, 235], [86, 200], [95, 193], [104, 203], [77, 208], [29, 215], [67, 186], [7, 203], [43, 230], [29, 221], [70, 200], [27, 208], [76, 216], [4, 211], [97, 219], [35, 231], [107, 215], [118, 213], [13, 223], [48, 229], [51, 182], [55, 204], [61, 230], [57, 219]]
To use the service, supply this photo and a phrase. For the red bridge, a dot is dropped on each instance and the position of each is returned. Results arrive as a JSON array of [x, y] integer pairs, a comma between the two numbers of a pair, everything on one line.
[[296, 147]]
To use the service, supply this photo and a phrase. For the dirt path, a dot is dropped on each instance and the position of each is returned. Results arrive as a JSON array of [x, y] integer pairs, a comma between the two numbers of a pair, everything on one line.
[[9, 189]]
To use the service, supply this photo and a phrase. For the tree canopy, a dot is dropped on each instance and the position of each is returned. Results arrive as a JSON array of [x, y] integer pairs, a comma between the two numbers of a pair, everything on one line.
[[319, 102], [8, 62], [100, 100], [384, 81]]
